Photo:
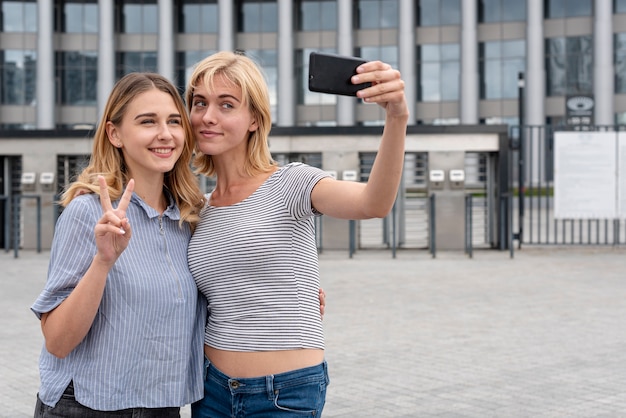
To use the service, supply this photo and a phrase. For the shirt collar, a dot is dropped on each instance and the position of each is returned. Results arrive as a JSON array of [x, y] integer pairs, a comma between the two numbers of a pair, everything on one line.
[[172, 211]]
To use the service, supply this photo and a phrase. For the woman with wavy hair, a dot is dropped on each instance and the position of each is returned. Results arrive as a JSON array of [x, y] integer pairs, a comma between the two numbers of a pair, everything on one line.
[[120, 312]]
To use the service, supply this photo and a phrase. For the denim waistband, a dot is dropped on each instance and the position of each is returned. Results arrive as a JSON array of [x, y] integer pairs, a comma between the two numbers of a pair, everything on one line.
[[318, 373]]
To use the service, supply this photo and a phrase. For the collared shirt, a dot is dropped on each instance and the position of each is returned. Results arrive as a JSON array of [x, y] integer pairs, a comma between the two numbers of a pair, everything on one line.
[[144, 348]]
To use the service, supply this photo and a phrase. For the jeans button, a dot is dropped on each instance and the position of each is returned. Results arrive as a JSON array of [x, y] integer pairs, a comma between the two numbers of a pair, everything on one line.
[[234, 384]]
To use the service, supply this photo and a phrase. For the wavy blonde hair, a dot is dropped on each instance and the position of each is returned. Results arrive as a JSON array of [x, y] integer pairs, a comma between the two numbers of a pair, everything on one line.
[[108, 161], [244, 73]]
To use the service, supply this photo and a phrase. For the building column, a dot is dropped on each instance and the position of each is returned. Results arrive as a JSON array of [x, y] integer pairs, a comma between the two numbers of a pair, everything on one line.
[[286, 97], [346, 106], [226, 36], [106, 52], [603, 82], [166, 46], [535, 77], [469, 63], [45, 66], [406, 54]]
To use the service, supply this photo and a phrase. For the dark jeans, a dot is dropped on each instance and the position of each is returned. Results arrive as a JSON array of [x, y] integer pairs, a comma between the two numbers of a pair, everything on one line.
[[67, 407]]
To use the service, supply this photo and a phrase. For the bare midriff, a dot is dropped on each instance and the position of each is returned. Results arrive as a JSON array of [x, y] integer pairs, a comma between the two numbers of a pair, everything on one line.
[[262, 363]]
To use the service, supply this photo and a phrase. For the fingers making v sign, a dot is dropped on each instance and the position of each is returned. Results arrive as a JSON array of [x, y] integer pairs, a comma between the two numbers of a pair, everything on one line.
[[113, 230]]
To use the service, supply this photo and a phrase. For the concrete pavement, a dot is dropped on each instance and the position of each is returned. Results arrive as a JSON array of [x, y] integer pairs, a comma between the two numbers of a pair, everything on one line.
[[539, 335]]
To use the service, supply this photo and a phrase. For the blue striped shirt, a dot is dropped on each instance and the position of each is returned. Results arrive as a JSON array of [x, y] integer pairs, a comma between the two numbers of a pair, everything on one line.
[[256, 262], [144, 348]]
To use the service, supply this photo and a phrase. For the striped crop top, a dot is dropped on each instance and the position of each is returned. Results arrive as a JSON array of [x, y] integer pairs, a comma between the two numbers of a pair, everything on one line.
[[256, 262]]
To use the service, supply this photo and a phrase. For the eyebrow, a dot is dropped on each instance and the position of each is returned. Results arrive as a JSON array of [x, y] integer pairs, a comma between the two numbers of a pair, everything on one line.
[[221, 96], [152, 115]]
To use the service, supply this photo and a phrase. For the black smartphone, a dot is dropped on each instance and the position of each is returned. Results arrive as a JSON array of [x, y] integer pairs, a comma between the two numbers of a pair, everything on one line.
[[331, 73]]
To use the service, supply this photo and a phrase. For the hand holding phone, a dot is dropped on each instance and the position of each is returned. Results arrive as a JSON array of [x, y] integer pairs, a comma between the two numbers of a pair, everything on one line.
[[331, 73]]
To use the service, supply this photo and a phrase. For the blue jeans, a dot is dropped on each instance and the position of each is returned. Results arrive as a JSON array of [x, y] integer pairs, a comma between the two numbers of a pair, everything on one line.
[[67, 407], [298, 393]]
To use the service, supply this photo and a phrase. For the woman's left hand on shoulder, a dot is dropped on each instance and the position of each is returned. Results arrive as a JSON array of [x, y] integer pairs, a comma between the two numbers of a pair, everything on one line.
[[387, 89]]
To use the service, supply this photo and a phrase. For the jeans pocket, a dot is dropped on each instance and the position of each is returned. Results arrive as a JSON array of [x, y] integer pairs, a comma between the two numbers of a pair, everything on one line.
[[305, 399]]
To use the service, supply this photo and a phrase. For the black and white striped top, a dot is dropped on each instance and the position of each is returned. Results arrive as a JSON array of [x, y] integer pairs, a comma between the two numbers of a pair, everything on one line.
[[256, 262]]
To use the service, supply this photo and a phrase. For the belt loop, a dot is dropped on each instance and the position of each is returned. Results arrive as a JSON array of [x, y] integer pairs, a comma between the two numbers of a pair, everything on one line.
[[269, 387]]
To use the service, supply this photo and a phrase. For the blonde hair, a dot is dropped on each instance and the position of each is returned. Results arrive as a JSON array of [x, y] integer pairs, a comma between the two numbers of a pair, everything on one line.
[[244, 73], [108, 161]]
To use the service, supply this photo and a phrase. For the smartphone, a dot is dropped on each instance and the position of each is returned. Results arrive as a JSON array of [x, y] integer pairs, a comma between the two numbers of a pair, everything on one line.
[[331, 73]]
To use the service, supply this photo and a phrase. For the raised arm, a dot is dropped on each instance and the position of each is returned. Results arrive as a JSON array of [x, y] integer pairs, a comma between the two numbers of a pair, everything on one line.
[[65, 326], [352, 200]]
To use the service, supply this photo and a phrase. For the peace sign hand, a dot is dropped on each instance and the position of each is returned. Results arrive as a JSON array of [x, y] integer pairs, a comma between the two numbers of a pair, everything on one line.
[[113, 232]]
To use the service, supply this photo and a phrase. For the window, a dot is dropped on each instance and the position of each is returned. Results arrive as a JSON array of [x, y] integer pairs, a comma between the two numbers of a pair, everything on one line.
[[76, 16], [376, 14], [198, 16], [137, 16], [19, 16], [258, 16], [500, 63], [316, 15], [18, 71], [620, 62], [569, 66], [619, 6], [438, 12], [77, 75], [501, 11], [185, 62], [129, 62], [268, 61], [558, 9], [439, 72]]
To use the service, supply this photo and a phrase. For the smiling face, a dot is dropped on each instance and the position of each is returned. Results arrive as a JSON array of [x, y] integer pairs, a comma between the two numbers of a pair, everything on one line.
[[151, 134], [221, 121]]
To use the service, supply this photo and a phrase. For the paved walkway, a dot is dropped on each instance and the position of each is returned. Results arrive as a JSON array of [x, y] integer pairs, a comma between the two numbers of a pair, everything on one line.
[[539, 335]]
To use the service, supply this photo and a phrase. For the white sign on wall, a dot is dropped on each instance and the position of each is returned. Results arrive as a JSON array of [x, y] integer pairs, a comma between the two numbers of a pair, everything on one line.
[[621, 175], [586, 175]]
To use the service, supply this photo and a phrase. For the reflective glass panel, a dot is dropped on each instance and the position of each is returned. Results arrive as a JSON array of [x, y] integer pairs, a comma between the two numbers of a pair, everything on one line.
[[450, 12], [185, 62], [500, 64], [128, 62], [620, 62], [268, 61], [428, 12], [568, 8], [316, 15], [430, 82], [450, 79], [569, 66], [439, 69], [197, 16], [438, 12], [19, 76], [19, 16], [78, 75], [376, 14], [258, 16], [140, 17], [502, 10]]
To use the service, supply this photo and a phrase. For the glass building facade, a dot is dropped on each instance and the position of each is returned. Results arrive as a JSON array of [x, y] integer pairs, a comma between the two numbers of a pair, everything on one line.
[[461, 59]]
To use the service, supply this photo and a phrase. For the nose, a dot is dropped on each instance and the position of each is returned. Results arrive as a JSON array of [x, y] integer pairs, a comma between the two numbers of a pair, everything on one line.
[[209, 114], [165, 133]]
